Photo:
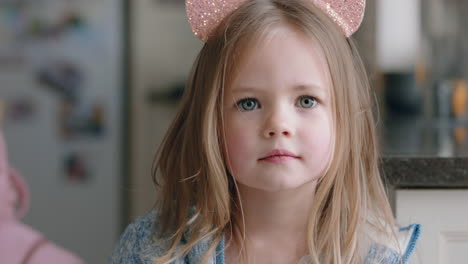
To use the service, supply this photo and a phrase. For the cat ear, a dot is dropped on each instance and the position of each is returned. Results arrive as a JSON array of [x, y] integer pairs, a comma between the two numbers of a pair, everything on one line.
[[204, 16], [348, 14]]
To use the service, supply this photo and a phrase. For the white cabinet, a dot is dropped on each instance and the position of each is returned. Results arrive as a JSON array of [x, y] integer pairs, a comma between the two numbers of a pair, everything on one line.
[[163, 50], [443, 215]]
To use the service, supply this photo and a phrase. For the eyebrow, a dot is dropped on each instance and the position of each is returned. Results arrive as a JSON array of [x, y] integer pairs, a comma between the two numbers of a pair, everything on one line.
[[300, 87]]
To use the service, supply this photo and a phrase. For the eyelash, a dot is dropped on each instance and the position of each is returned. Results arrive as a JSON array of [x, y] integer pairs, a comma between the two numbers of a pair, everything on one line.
[[240, 101]]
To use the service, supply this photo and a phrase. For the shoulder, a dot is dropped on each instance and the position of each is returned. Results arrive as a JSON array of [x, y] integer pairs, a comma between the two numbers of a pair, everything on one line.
[[136, 244], [392, 252]]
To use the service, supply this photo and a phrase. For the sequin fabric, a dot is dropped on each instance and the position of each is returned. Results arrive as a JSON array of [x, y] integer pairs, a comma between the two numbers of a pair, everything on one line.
[[205, 15], [348, 14]]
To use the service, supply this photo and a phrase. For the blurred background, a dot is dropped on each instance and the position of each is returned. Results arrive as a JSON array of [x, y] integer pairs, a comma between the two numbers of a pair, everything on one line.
[[89, 87]]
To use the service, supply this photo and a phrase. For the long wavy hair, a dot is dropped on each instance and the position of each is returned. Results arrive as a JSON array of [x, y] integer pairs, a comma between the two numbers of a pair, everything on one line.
[[196, 191]]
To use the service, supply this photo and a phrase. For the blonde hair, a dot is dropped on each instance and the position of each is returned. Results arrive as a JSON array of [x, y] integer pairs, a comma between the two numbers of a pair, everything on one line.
[[197, 193]]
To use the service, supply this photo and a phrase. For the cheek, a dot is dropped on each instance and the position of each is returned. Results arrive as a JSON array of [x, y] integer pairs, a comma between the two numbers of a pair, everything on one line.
[[237, 142], [318, 142]]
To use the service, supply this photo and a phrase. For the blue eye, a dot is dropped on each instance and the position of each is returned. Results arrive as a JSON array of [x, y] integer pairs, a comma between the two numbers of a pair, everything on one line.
[[307, 101], [247, 104]]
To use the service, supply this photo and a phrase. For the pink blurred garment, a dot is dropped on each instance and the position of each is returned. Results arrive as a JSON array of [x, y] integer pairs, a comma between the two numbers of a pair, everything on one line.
[[19, 243]]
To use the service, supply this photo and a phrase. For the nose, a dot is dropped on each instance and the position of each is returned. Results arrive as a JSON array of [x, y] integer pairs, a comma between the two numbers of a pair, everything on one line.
[[278, 124]]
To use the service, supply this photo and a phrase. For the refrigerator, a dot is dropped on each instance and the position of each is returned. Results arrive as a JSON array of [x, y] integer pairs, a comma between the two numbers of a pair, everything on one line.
[[62, 87]]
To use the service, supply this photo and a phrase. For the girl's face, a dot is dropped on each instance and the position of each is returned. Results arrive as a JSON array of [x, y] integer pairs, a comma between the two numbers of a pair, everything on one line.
[[279, 100]]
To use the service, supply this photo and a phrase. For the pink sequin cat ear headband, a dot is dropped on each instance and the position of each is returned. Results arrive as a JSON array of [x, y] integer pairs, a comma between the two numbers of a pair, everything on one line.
[[205, 15]]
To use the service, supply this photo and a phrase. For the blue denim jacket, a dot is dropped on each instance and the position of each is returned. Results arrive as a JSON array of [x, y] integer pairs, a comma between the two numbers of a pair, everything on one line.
[[136, 246]]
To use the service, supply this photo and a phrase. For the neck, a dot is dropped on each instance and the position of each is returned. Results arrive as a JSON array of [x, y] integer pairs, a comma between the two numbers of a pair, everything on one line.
[[277, 220]]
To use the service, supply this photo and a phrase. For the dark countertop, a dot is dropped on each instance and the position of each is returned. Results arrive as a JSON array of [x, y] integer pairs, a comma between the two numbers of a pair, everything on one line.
[[425, 172]]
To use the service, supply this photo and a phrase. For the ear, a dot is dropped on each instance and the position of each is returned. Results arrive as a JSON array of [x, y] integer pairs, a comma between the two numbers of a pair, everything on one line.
[[22, 191], [13, 189], [348, 14]]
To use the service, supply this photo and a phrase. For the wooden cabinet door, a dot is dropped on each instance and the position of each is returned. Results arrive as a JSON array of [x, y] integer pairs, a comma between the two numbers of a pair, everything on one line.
[[443, 215]]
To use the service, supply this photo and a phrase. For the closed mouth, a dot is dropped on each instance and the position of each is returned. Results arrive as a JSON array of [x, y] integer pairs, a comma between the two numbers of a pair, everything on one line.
[[279, 156]]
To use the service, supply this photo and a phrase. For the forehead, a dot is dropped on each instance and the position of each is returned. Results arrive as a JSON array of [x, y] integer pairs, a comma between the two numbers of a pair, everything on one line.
[[282, 58]]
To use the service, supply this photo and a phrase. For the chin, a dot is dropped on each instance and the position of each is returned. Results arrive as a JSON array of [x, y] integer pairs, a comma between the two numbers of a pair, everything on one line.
[[277, 186], [276, 182]]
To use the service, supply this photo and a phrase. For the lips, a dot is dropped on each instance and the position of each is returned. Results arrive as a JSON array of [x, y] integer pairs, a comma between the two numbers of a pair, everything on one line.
[[279, 153]]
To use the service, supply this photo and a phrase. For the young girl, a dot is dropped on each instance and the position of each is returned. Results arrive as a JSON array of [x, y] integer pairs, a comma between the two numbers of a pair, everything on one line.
[[272, 157]]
